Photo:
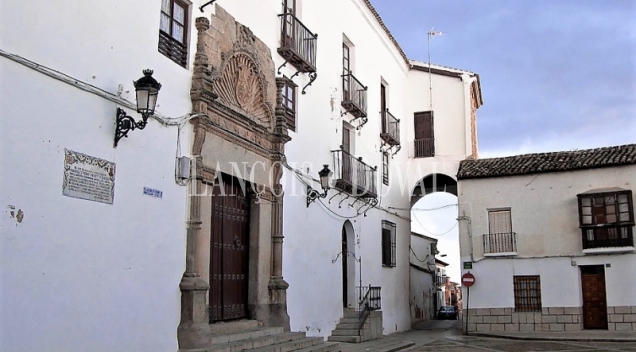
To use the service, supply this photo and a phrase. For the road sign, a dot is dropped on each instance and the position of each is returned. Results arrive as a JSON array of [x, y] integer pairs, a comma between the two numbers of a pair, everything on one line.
[[468, 279], [468, 265]]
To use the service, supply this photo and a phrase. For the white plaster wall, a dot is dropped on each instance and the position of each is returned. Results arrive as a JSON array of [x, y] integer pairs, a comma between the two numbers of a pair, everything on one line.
[[76, 274], [422, 284], [545, 218], [313, 235]]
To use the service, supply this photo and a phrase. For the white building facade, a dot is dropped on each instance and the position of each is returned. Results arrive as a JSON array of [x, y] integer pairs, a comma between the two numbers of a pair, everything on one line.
[[133, 242], [549, 238]]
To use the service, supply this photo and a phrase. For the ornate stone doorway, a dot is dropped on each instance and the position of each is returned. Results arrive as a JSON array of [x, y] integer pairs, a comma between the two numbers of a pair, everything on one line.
[[241, 132]]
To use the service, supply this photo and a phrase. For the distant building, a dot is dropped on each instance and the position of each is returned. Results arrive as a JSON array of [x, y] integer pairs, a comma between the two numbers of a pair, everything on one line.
[[423, 277], [551, 240]]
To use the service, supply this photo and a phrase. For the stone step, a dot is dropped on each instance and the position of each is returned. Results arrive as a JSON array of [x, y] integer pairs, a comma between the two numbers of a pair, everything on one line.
[[349, 320], [348, 339], [322, 347], [256, 343], [351, 314], [348, 332], [245, 335], [347, 326], [293, 345]]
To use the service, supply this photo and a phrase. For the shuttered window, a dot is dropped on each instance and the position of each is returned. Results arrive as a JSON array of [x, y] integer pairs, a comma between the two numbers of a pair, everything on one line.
[[499, 221], [173, 31], [289, 103]]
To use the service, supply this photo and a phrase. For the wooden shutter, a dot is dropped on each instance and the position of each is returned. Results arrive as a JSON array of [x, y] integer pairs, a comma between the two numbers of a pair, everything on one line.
[[346, 139], [499, 222], [424, 125]]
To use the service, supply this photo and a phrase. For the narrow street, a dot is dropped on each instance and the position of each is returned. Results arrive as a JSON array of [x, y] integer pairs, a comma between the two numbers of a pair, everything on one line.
[[446, 335]]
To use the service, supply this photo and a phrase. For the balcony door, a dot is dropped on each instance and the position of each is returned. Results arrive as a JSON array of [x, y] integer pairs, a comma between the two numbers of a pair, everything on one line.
[[424, 134], [289, 12], [594, 300], [385, 128], [346, 70], [347, 165]]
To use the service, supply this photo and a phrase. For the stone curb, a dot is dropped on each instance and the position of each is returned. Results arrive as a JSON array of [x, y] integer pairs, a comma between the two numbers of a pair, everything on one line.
[[555, 338]]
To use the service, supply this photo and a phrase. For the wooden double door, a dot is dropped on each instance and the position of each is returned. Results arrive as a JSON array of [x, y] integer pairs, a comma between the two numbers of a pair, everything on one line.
[[594, 298], [229, 250]]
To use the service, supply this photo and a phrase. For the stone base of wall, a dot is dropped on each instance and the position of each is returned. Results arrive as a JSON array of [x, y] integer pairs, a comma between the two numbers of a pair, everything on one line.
[[548, 319]]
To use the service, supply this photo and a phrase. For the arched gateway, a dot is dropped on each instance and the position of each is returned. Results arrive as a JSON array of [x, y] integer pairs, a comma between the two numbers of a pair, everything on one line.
[[234, 237]]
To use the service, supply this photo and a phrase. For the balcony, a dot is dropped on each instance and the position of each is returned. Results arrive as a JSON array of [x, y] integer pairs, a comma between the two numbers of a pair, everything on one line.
[[297, 43], [354, 96], [440, 280], [614, 239], [353, 176], [425, 148], [390, 129], [500, 244]]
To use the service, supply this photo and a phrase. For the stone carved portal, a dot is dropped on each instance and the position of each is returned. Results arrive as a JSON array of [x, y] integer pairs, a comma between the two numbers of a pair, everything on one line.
[[242, 134]]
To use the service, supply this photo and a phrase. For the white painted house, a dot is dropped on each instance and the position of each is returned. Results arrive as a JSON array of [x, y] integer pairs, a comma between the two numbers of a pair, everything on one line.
[[423, 287], [550, 238], [128, 247]]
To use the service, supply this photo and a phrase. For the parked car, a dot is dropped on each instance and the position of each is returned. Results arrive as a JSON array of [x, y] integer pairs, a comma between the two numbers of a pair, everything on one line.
[[447, 312]]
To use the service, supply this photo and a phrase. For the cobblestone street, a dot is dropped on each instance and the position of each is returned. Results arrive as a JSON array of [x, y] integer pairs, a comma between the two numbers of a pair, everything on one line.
[[446, 335]]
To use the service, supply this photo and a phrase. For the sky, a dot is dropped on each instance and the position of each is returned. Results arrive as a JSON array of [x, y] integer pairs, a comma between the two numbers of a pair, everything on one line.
[[555, 75]]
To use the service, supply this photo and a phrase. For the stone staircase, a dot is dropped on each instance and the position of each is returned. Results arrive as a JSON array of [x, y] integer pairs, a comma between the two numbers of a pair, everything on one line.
[[267, 340], [347, 328]]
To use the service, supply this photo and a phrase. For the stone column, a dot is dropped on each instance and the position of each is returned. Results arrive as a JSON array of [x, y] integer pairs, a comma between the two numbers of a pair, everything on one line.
[[194, 329], [277, 285]]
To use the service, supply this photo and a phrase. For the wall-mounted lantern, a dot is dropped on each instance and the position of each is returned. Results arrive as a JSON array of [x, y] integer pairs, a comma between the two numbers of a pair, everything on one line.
[[312, 194], [147, 89]]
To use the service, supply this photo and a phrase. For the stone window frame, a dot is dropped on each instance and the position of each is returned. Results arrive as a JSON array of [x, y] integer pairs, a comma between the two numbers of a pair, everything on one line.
[[527, 293], [174, 48], [388, 244]]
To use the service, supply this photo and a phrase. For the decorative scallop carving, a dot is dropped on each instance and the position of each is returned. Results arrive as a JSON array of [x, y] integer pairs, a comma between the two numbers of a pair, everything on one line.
[[241, 86]]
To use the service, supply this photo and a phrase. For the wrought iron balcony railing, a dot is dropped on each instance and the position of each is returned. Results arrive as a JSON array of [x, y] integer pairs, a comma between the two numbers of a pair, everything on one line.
[[425, 148], [390, 129], [440, 280], [297, 43], [354, 96], [606, 237], [353, 176], [500, 243]]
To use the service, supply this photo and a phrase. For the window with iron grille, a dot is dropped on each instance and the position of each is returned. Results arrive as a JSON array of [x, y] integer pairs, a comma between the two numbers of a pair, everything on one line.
[[606, 218], [173, 31], [289, 103], [388, 243], [527, 293], [385, 168]]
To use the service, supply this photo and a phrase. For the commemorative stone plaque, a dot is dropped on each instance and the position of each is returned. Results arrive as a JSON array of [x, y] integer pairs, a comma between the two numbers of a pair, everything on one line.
[[87, 177]]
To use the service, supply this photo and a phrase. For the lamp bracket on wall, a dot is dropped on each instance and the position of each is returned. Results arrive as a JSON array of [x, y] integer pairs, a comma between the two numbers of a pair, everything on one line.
[[125, 124], [206, 4], [312, 195]]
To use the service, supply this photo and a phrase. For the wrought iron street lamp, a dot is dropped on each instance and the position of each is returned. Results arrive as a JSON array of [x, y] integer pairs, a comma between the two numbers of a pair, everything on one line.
[[147, 89], [312, 194]]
